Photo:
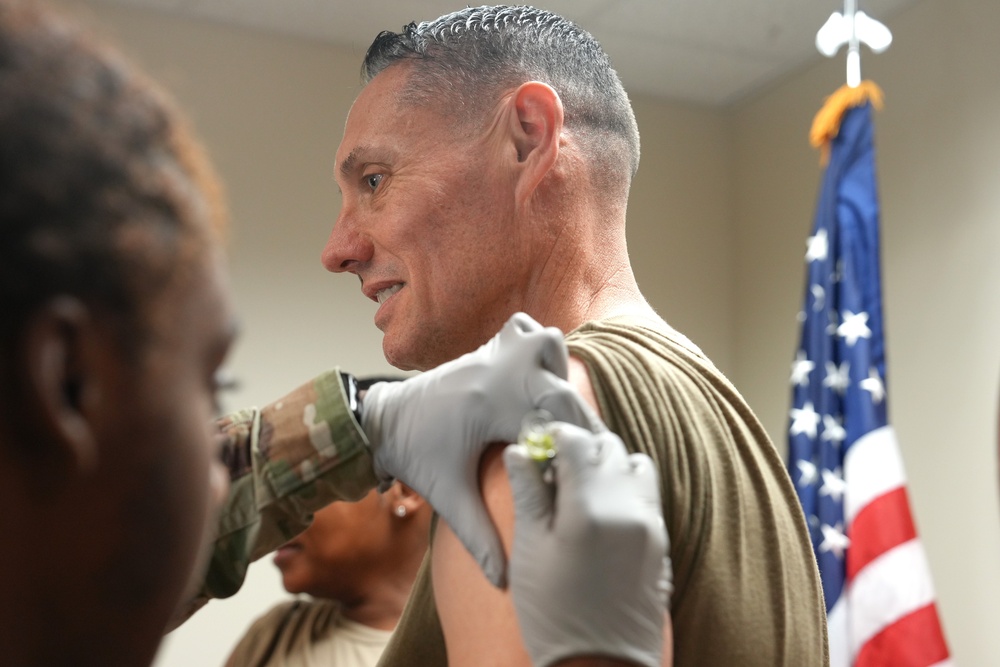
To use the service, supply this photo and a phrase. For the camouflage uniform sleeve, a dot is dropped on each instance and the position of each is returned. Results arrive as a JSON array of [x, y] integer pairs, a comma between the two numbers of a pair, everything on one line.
[[286, 461]]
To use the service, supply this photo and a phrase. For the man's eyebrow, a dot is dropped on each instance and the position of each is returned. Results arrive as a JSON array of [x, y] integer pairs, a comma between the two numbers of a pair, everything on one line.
[[369, 154], [350, 162]]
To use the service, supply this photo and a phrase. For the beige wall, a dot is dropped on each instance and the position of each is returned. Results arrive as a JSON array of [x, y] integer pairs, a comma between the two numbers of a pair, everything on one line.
[[680, 222], [717, 226], [938, 143]]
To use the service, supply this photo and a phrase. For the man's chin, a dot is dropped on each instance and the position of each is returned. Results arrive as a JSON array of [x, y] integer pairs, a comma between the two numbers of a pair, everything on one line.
[[400, 356]]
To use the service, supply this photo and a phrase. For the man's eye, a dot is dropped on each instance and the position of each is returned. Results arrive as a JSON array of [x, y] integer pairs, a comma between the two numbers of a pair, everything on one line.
[[373, 180]]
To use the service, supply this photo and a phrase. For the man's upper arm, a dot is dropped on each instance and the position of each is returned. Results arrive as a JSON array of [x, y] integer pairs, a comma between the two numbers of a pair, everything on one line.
[[479, 621]]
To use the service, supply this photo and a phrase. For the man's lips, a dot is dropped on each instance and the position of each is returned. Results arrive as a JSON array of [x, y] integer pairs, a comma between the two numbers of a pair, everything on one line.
[[384, 295], [381, 291]]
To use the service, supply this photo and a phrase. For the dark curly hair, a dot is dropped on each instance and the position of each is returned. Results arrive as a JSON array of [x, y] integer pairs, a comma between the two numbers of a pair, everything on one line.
[[103, 191]]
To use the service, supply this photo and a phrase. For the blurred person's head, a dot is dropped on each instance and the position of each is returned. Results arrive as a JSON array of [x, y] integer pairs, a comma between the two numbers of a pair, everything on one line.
[[116, 317], [364, 555]]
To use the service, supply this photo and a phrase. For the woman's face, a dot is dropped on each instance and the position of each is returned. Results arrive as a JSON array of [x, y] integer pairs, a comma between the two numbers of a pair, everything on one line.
[[162, 430], [345, 541]]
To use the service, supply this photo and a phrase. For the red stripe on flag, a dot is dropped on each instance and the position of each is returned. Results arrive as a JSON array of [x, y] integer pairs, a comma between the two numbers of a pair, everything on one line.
[[882, 524], [916, 640]]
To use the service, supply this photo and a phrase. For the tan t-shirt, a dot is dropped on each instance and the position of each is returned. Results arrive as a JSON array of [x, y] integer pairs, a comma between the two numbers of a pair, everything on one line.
[[746, 587], [308, 633]]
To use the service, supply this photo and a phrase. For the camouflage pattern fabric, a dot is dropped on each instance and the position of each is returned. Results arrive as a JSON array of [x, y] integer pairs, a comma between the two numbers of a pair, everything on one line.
[[286, 461]]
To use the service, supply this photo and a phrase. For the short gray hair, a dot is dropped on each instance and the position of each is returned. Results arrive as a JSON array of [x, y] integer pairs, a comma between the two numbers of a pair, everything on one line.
[[476, 53]]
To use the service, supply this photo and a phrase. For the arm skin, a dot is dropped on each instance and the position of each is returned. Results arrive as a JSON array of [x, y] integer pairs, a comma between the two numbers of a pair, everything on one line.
[[479, 622]]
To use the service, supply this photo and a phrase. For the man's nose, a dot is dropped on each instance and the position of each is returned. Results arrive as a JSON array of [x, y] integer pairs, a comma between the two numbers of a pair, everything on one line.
[[348, 246]]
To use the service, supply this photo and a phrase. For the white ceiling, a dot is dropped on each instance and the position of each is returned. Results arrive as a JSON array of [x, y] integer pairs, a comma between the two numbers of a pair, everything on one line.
[[704, 51]]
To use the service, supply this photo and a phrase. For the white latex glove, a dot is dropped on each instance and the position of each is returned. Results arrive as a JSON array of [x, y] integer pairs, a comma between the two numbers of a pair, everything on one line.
[[430, 430], [590, 572]]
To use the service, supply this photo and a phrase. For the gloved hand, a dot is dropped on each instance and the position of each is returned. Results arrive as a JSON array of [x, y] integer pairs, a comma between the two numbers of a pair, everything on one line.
[[430, 430], [589, 572]]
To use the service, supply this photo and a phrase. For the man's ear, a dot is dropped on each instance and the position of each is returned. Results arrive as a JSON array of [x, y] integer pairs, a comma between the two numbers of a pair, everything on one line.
[[535, 124], [59, 376]]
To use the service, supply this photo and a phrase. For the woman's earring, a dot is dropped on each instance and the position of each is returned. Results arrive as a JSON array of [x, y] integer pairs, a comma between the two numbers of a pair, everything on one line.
[[400, 511]]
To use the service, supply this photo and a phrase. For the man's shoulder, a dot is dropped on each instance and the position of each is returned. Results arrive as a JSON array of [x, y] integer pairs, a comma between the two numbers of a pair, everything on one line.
[[645, 339], [646, 376]]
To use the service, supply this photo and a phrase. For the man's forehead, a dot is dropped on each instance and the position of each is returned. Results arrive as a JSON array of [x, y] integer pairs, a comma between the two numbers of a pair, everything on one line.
[[373, 113], [381, 95], [385, 133]]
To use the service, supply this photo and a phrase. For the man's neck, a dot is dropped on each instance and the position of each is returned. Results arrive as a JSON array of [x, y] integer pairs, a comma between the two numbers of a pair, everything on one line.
[[581, 293]]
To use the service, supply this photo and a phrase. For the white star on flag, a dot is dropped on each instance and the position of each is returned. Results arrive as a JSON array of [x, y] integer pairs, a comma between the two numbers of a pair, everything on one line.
[[817, 246], [853, 327], [801, 368], [805, 420], [833, 430], [873, 383], [837, 378], [834, 539], [833, 484], [831, 328], [819, 297], [880, 607], [808, 472]]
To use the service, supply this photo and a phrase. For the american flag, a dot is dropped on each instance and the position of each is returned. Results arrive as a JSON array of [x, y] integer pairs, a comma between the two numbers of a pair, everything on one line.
[[843, 455]]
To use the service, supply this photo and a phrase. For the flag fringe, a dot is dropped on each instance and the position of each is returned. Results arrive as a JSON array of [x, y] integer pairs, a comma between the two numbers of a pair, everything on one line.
[[826, 124]]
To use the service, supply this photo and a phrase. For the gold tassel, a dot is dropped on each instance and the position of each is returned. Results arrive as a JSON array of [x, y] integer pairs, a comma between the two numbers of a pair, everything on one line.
[[826, 124]]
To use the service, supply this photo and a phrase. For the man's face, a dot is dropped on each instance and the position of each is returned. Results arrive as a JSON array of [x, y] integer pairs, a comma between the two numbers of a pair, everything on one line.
[[427, 223]]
